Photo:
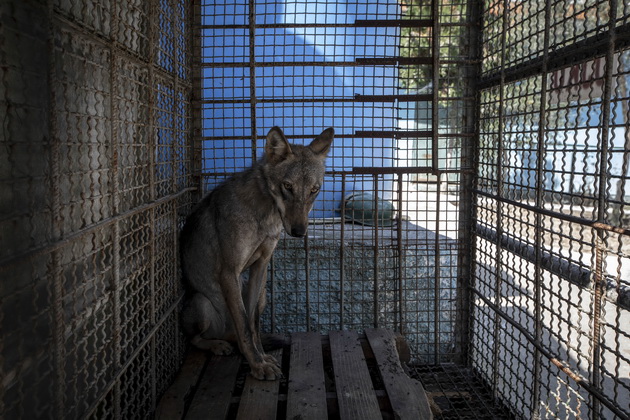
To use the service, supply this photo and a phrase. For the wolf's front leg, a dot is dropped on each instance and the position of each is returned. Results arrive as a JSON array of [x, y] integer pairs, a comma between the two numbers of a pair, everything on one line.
[[248, 341], [255, 300]]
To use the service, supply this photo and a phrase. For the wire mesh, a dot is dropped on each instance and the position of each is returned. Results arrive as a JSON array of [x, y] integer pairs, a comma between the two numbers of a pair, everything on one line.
[[549, 308], [95, 179], [103, 148], [402, 135]]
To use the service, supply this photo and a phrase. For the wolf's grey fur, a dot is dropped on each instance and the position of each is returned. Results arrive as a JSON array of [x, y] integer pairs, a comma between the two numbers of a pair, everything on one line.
[[236, 227]]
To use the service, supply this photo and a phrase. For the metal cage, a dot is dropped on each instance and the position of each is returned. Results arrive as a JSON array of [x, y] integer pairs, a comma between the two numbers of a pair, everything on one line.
[[497, 131]]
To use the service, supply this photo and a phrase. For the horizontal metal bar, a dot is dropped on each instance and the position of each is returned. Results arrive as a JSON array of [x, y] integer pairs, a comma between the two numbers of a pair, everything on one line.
[[401, 170], [561, 267], [356, 98], [589, 48], [363, 61], [392, 61], [399, 23], [362, 23], [357, 135], [391, 98], [393, 133], [123, 52], [50, 247], [561, 216], [581, 381], [366, 170]]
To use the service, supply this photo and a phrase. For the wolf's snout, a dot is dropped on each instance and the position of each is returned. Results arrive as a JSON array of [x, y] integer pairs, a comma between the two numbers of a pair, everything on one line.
[[298, 231]]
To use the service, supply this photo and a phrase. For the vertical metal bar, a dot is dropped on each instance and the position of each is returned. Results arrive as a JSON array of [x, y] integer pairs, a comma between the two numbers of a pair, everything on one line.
[[499, 217], [153, 190], [57, 221], [342, 248], [538, 225], [308, 282], [272, 272], [376, 251], [114, 112], [436, 275], [197, 76], [401, 259], [467, 210], [435, 51], [252, 75], [600, 241]]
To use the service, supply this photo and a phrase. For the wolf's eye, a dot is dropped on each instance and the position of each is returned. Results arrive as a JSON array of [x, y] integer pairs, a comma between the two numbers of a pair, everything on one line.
[[314, 190], [288, 186]]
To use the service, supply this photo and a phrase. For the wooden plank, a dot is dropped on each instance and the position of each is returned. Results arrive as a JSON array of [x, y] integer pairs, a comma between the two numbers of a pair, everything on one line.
[[355, 393], [406, 395], [306, 398], [214, 392], [259, 400], [173, 403]]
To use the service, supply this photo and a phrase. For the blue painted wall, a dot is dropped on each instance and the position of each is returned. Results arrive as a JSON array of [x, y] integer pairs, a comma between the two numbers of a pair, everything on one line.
[[231, 45]]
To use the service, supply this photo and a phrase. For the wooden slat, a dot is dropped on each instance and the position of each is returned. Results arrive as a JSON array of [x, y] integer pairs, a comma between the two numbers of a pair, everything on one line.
[[306, 397], [214, 393], [406, 395], [259, 400], [355, 392], [173, 402]]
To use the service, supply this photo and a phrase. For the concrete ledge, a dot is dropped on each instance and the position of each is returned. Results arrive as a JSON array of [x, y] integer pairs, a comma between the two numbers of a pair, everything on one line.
[[370, 277]]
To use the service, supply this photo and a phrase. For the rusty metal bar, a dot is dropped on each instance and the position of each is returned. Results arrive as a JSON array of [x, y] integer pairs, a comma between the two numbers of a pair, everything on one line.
[[252, 76], [593, 46], [359, 23], [56, 269], [117, 276], [499, 212], [368, 61], [376, 250], [568, 218], [307, 279], [133, 356], [393, 133], [369, 170], [401, 259], [577, 378], [197, 99], [598, 280], [342, 248], [538, 240], [435, 62], [436, 276], [52, 247]]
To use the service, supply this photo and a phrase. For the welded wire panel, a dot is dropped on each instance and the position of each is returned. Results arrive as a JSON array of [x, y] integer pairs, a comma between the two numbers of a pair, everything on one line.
[[550, 282], [368, 69], [96, 179]]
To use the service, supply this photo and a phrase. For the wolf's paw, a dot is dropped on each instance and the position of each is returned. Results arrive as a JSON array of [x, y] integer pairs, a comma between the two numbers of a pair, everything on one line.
[[218, 347], [270, 359], [221, 348], [266, 371]]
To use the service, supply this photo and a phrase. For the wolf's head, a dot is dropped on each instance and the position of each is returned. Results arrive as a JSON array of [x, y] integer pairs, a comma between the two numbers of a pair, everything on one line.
[[294, 175]]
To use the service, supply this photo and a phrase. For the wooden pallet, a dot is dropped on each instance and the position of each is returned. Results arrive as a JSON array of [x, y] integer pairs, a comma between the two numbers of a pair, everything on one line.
[[338, 376]]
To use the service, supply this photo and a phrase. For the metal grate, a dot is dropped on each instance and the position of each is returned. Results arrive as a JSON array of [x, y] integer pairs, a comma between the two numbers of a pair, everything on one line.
[[497, 130], [549, 320], [95, 178], [402, 134]]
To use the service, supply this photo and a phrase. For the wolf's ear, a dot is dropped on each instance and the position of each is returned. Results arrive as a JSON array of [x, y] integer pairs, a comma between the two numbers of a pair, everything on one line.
[[321, 144], [277, 148]]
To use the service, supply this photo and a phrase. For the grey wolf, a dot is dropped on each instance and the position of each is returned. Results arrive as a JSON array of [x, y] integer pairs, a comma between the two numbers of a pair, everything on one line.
[[235, 228]]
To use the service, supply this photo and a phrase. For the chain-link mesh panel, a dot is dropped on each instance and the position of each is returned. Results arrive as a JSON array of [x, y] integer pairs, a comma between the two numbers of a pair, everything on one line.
[[393, 79], [95, 179], [552, 271]]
